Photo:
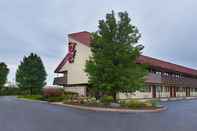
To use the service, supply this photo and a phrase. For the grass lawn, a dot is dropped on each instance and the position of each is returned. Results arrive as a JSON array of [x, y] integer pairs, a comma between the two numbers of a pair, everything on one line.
[[31, 97]]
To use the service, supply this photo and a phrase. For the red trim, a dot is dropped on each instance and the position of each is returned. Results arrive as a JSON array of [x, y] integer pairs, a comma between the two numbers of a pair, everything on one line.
[[62, 63], [166, 65], [69, 57]]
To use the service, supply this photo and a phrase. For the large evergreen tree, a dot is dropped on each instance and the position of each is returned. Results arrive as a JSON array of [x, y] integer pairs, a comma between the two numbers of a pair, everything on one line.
[[3, 75], [31, 74], [112, 67]]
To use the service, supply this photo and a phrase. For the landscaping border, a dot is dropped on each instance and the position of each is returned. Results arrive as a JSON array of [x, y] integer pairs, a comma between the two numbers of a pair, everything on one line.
[[100, 109]]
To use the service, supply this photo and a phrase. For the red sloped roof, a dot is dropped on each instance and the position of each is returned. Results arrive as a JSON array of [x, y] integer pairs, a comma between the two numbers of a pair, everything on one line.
[[84, 37], [166, 65], [62, 63]]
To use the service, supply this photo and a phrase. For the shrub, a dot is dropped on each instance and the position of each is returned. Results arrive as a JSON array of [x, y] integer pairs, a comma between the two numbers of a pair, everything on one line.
[[155, 103], [106, 100], [148, 104], [92, 100], [81, 100], [78, 100], [11, 91], [53, 92], [123, 103], [67, 101], [55, 98], [135, 104], [140, 104], [70, 95]]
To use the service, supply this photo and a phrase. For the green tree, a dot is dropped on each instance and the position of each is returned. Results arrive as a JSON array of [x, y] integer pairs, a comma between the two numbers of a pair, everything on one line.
[[31, 74], [112, 67], [3, 75]]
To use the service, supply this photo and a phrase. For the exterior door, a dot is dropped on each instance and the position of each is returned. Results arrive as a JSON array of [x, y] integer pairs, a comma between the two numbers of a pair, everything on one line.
[[174, 88], [187, 92], [154, 91], [172, 91]]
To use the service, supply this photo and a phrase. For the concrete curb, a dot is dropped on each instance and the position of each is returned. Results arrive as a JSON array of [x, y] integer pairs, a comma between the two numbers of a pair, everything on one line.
[[95, 109], [178, 99]]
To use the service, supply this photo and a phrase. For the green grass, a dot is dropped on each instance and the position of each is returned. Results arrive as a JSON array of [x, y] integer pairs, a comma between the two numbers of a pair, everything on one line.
[[31, 97]]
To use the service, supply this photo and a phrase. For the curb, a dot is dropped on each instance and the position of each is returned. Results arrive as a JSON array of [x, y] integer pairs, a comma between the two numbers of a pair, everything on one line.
[[178, 99], [97, 109], [100, 109]]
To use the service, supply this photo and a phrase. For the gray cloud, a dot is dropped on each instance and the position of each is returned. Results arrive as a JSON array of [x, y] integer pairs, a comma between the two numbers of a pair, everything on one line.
[[168, 28]]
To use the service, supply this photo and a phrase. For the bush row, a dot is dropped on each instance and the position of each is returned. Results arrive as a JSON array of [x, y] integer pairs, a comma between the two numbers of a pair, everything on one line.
[[140, 104], [10, 91], [57, 94]]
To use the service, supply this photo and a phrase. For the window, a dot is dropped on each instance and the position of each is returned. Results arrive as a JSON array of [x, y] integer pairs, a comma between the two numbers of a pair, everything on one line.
[[158, 88], [166, 74], [167, 89], [177, 75], [152, 71], [181, 89], [149, 89], [158, 73]]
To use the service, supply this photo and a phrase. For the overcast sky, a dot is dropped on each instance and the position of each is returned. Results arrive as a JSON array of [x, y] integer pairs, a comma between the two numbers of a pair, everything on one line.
[[168, 27]]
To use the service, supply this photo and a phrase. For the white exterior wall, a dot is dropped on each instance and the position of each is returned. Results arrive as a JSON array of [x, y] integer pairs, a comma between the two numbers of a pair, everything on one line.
[[81, 90], [76, 74], [193, 93], [142, 95], [163, 94], [180, 94]]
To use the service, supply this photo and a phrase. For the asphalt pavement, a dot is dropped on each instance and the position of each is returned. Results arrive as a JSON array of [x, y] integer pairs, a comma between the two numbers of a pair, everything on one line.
[[19, 115]]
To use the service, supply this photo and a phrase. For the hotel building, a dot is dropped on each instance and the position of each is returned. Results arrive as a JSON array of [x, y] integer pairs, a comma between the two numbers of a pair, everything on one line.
[[164, 80]]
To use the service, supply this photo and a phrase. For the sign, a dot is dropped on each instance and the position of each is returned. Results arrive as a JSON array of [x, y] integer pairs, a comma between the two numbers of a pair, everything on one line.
[[71, 52]]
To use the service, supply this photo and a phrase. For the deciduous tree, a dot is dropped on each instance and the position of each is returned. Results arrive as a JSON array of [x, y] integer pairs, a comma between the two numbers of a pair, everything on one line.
[[112, 67]]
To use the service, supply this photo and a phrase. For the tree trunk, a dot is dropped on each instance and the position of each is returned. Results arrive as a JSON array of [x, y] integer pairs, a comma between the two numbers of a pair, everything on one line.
[[98, 95], [31, 91], [114, 97]]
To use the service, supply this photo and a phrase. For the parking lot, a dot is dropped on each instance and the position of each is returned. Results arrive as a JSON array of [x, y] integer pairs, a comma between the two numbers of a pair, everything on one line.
[[18, 115]]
